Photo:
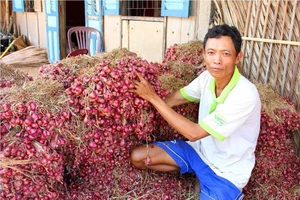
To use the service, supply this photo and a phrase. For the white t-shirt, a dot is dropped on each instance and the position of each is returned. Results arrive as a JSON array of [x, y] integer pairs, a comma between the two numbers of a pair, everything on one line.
[[233, 122]]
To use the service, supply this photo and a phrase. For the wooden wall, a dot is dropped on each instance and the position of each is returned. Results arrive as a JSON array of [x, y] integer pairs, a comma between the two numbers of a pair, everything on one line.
[[144, 36], [33, 26], [112, 32], [119, 32]]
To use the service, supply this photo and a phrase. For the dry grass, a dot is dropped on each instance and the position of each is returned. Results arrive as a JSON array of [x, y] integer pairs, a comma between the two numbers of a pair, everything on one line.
[[48, 93], [272, 101]]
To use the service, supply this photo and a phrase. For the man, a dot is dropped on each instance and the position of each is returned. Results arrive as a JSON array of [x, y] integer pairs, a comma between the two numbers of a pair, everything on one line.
[[220, 147]]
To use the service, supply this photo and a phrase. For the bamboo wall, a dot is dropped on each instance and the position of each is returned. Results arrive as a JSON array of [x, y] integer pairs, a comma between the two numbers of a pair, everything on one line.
[[271, 41]]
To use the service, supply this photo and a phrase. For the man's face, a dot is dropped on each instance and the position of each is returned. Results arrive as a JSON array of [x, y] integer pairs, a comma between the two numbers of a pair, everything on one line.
[[220, 57]]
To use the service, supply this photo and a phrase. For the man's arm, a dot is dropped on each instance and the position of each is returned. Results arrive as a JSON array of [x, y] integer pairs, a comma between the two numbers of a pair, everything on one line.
[[190, 130], [175, 99]]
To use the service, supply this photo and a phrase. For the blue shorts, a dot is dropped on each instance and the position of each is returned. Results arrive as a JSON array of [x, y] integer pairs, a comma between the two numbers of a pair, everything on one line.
[[212, 186]]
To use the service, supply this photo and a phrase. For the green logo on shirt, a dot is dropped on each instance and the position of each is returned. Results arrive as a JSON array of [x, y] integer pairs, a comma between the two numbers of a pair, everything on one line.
[[219, 119]]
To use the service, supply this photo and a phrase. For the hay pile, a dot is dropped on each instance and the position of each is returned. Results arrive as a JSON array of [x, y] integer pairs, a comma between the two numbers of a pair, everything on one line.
[[180, 74], [27, 60], [28, 57], [76, 140], [276, 172], [190, 47], [185, 71], [271, 101], [49, 93], [190, 52], [116, 54], [86, 131], [83, 65], [171, 82], [17, 77]]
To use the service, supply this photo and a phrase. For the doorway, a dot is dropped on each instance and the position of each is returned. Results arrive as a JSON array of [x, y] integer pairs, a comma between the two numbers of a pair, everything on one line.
[[75, 16]]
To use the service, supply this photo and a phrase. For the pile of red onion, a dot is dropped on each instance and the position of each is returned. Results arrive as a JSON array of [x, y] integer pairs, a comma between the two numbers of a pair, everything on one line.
[[187, 53], [277, 171], [32, 141], [10, 77], [81, 151], [80, 148]]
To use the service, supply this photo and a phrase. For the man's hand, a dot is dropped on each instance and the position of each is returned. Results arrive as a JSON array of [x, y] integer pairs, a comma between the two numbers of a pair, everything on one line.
[[192, 131], [143, 89]]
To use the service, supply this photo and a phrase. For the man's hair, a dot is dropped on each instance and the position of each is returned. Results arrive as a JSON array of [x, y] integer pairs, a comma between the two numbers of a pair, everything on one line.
[[225, 30]]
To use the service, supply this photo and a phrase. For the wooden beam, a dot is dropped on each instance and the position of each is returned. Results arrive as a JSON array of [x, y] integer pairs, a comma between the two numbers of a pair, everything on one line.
[[271, 41]]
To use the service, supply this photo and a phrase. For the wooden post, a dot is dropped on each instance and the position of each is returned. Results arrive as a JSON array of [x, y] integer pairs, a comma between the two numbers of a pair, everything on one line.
[[6, 15], [1, 15], [62, 28]]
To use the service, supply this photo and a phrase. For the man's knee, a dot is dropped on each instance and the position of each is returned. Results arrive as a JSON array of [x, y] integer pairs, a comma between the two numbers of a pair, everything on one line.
[[137, 157]]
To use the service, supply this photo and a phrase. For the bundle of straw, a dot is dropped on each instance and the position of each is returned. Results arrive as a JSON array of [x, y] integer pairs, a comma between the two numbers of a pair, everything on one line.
[[28, 57]]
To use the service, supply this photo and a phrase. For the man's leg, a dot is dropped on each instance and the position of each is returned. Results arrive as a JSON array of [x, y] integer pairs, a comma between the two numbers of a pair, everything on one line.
[[197, 186], [153, 157]]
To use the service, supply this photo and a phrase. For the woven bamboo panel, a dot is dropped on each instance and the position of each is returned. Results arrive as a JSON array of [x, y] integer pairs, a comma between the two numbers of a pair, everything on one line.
[[271, 41]]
